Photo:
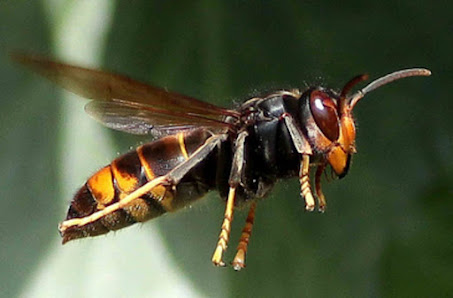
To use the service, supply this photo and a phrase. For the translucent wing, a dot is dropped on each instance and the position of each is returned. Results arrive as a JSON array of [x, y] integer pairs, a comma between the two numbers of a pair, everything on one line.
[[129, 105], [141, 119]]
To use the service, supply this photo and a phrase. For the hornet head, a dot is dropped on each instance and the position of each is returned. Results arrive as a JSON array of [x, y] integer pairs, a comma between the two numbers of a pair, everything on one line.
[[329, 123]]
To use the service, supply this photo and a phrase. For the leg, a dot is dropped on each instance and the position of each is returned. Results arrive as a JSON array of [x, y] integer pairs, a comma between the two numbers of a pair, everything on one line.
[[225, 231], [171, 179], [304, 178], [116, 206], [304, 148], [298, 138], [239, 259], [318, 189], [234, 180]]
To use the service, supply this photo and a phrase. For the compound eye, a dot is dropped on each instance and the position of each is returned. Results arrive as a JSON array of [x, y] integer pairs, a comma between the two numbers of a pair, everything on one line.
[[324, 111]]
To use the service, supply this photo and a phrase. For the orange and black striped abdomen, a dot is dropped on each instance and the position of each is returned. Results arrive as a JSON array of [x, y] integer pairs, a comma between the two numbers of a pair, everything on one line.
[[129, 172]]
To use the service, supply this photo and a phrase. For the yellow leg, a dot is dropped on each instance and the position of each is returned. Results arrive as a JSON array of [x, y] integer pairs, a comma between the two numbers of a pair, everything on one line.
[[114, 207], [225, 231], [239, 259], [305, 183], [318, 189]]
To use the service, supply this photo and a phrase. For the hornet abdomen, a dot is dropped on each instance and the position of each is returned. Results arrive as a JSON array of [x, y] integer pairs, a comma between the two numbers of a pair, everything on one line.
[[132, 170]]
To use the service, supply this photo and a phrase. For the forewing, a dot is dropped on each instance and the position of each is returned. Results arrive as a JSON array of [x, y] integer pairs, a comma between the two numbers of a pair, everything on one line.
[[105, 86]]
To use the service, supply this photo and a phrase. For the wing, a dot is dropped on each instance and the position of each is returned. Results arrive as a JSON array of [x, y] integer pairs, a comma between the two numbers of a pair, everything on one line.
[[125, 104], [141, 119]]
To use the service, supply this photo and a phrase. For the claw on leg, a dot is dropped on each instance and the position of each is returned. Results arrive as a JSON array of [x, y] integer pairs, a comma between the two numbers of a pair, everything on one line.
[[304, 179], [239, 260], [225, 231]]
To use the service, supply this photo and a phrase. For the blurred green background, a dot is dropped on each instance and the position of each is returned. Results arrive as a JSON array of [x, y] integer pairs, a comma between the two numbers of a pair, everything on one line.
[[388, 228]]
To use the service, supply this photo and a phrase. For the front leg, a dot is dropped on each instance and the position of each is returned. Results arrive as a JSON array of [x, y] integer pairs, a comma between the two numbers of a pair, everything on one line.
[[304, 148], [304, 178]]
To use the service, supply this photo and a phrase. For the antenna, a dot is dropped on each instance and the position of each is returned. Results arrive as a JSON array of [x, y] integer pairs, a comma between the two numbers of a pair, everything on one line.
[[412, 72]]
